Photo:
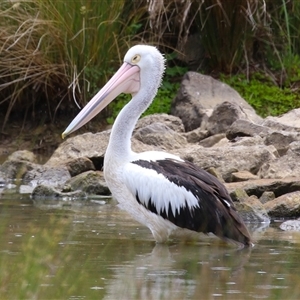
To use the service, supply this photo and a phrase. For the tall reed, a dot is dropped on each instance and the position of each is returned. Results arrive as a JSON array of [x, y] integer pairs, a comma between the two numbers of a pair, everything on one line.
[[54, 52]]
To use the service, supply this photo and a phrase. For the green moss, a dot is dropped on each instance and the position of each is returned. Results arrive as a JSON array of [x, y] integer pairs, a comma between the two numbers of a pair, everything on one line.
[[263, 95]]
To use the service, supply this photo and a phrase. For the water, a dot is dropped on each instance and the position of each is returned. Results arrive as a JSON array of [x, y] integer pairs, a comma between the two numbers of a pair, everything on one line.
[[92, 250]]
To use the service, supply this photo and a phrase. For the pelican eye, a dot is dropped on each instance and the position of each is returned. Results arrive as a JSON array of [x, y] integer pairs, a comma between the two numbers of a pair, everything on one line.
[[136, 58]]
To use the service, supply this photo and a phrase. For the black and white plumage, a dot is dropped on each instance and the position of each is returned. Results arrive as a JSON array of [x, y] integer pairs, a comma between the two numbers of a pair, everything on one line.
[[158, 189]]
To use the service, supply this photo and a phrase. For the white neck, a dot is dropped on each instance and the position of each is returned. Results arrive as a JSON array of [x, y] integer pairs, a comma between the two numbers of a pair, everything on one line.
[[119, 145], [151, 71]]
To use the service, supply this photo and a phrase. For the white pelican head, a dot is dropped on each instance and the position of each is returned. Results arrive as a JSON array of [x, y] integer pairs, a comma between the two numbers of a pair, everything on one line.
[[141, 71]]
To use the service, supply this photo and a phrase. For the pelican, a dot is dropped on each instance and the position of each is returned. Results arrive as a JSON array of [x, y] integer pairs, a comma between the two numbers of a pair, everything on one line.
[[158, 189]]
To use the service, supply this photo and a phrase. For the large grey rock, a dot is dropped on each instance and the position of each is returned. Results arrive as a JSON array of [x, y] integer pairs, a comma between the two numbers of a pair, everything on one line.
[[84, 145], [281, 167], [161, 136], [17, 164], [15, 169], [47, 175], [199, 95], [250, 208], [241, 128], [294, 147], [259, 186], [93, 145], [172, 122], [281, 140], [290, 225], [243, 176], [90, 145], [246, 141], [196, 135], [227, 160], [212, 140], [289, 121], [223, 115], [79, 165], [22, 155], [91, 182], [287, 205], [252, 211], [266, 197]]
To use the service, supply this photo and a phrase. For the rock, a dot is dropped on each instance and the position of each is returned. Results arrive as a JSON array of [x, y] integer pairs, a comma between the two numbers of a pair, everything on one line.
[[22, 155], [241, 128], [250, 141], [15, 169], [242, 176], [284, 166], [172, 122], [259, 186], [2, 179], [285, 206], [289, 121], [294, 148], [228, 159], [266, 197], [79, 165], [90, 182], [223, 116], [9, 189], [161, 136], [43, 191], [90, 145], [47, 175], [17, 164], [290, 225], [195, 135], [84, 145], [281, 141], [250, 208], [239, 195], [186, 105], [212, 140], [20, 165], [25, 189], [252, 211], [199, 94], [245, 142], [276, 126]]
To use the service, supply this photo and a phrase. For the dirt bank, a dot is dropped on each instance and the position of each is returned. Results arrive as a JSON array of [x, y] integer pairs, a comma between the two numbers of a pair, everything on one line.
[[40, 139]]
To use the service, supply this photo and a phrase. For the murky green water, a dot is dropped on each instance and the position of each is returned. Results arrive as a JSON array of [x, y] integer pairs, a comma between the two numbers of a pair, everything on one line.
[[91, 250]]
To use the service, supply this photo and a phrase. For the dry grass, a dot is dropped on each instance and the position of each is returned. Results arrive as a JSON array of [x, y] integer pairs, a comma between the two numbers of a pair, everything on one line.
[[54, 52], [25, 40], [235, 34], [57, 53], [226, 27]]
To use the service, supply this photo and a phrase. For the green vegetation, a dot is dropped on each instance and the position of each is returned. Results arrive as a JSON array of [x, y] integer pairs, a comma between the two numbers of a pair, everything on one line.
[[261, 93], [55, 55], [51, 52], [254, 46]]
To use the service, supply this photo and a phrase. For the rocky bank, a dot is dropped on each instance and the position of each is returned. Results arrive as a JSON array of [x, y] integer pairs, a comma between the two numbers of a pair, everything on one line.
[[211, 125]]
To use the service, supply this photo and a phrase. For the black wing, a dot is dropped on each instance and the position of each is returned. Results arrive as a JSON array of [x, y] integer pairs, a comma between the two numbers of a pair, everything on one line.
[[215, 213]]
